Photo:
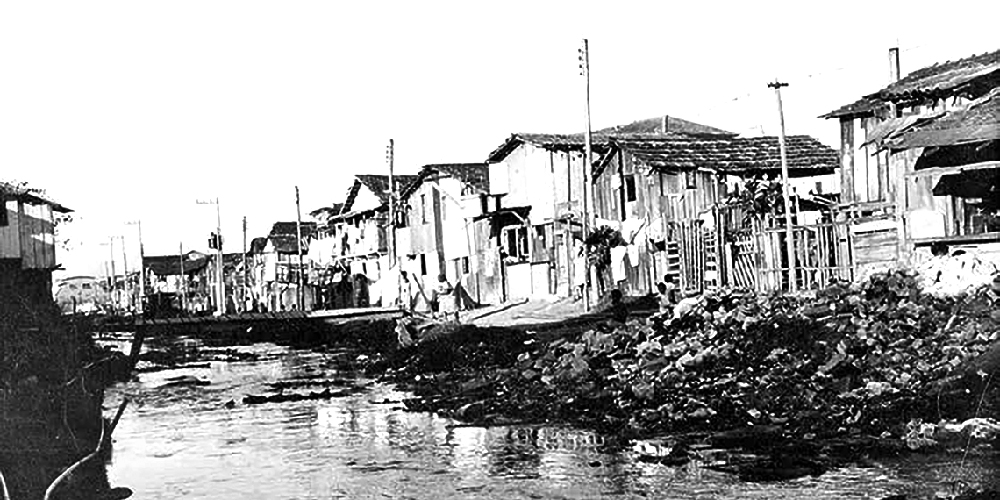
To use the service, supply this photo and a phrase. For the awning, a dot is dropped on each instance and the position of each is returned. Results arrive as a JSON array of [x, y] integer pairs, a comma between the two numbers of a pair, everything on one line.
[[972, 184]]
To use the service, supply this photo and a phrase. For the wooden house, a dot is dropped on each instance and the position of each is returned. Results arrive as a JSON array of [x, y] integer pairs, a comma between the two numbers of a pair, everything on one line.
[[538, 182], [178, 283], [27, 251], [919, 163], [351, 252], [278, 268], [665, 195], [441, 231]]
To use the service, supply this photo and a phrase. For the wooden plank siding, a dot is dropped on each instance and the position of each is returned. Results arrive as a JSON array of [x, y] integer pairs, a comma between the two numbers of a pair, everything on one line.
[[10, 235], [672, 204]]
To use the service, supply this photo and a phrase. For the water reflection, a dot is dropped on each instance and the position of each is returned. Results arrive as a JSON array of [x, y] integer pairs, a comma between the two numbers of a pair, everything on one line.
[[187, 441]]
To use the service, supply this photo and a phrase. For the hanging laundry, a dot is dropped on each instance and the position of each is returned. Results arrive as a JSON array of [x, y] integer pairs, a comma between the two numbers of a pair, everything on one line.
[[633, 255], [618, 263]]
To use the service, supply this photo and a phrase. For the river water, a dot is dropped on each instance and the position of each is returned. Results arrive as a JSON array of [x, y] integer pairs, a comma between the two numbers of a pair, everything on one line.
[[184, 439]]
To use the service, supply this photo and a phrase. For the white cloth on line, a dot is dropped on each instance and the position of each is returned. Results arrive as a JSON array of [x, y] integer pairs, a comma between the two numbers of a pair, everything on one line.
[[633, 255], [618, 263]]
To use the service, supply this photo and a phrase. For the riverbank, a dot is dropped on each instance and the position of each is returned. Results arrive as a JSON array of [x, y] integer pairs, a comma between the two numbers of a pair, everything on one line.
[[848, 372]]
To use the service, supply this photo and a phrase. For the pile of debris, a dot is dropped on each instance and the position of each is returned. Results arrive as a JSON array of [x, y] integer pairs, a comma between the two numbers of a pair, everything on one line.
[[866, 357]]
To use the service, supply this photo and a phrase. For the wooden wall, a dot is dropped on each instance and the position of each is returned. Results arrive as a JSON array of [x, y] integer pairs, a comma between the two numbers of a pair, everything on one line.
[[29, 235]]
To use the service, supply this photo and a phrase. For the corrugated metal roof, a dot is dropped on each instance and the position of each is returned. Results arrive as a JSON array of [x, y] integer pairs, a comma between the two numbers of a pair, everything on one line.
[[974, 75], [977, 122], [476, 175], [805, 155]]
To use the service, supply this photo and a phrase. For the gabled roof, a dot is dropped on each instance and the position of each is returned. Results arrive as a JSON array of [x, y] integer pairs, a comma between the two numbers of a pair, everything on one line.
[[170, 265], [972, 77], [11, 191], [734, 155], [649, 128], [977, 122], [475, 175], [379, 184], [664, 125], [284, 238], [257, 245], [327, 212]]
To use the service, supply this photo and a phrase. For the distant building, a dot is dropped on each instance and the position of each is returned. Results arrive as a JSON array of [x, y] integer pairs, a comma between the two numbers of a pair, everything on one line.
[[82, 294], [179, 283], [351, 254], [27, 252], [276, 267]]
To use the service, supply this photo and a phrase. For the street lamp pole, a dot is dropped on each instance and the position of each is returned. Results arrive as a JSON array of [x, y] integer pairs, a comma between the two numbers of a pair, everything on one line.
[[220, 302]]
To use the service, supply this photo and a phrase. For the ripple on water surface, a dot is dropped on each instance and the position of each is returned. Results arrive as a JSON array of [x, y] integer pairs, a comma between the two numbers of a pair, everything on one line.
[[182, 439]]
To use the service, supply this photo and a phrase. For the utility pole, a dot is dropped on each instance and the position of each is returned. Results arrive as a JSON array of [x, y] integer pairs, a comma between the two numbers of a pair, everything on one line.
[[587, 200], [142, 266], [246, 272], [785, 188], [115, 296], [390, 153], [125, 287], [298, 238], [183, 287]]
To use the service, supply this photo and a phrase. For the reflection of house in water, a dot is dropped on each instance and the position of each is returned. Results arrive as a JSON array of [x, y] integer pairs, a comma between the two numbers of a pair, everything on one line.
[[921, 163]]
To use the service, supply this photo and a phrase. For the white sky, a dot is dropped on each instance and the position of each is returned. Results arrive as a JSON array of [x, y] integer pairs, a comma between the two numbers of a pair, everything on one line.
[[134, 110]]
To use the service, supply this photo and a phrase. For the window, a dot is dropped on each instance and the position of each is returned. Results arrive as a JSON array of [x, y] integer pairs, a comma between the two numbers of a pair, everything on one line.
[[465, 265], [516, 242], [423, 265], [691, 179], [423, 209], [629, 188]]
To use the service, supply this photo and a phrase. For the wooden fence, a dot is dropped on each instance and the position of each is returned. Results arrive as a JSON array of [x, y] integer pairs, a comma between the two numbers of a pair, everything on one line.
[[756, 256]]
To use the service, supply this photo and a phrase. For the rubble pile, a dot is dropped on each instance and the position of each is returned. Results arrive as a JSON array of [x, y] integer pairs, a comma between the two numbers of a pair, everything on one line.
[[866, 357]]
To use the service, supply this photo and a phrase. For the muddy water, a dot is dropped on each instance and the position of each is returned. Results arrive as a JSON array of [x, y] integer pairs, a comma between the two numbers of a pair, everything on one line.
[[182, 439]]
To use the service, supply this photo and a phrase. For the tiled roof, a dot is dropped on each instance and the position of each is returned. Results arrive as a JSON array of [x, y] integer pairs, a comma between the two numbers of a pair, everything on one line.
[[29, 195], [476, 175], [284, 237], [972, 76], [325, 212], [656, 126], [649, 128], [379, 184], [737, 155], [170, 265], [978, 122]]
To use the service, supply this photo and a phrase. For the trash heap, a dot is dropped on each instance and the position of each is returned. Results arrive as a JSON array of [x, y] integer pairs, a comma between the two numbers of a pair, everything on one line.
[[866, 357]]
